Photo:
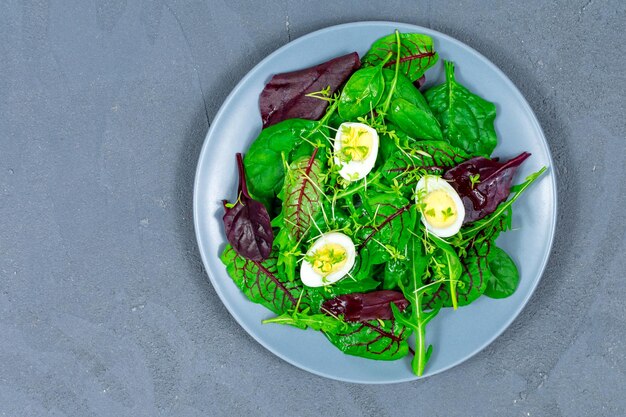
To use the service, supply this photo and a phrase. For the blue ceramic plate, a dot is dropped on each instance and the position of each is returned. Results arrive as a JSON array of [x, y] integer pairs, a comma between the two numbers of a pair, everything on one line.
[[455, 335]]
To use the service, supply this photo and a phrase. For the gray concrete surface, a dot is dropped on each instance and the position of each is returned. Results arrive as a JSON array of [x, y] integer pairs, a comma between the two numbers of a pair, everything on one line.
[[105, 309]]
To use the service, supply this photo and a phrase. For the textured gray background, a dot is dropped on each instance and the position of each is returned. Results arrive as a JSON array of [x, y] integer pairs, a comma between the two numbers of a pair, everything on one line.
[[105, 309]]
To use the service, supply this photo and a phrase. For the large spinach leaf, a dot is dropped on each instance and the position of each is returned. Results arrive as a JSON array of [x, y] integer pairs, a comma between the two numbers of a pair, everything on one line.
[[264, 160], [417, 53], [418, 122], [403, 89], [361, 93], [466, 119], [504, 277]]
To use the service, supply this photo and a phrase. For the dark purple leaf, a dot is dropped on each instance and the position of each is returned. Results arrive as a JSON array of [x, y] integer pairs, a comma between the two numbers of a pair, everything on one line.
[[284, 97], [420, 82], [482, 198], [247, 223], [364, 307]]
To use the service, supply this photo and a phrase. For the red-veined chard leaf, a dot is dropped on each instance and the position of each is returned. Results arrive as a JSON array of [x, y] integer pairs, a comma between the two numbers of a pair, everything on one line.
[[247, 223], [431, 156], [475, 276], [470, 285], [435, 298], [364, 307], [388, 220], [476, 272], [376, 339], [466, 119], [302, 195], [417, 53], [261, 283], [285, 95], [483, 184]]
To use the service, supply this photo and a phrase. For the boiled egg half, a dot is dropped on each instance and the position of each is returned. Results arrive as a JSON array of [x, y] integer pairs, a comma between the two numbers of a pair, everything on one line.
[[441, 207], [356, 148], [329, 259]]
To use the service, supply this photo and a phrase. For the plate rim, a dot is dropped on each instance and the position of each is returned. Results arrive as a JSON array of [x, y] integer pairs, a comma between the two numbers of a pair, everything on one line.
[[551, 173]]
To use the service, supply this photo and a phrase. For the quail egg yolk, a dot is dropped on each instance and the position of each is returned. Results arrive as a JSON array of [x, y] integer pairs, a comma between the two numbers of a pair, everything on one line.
[[439, 209], [328, 259], [356, 143]]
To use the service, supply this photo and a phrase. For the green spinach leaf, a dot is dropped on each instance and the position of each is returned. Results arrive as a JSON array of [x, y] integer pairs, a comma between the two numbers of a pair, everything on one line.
[[263, 162], [466, 119], [395, 271], [404, 89], [392, 139], [417, 122], [361, 93], [504, 277]]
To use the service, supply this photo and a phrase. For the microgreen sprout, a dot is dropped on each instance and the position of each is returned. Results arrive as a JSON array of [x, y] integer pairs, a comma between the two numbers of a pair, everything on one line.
[[474, 179]]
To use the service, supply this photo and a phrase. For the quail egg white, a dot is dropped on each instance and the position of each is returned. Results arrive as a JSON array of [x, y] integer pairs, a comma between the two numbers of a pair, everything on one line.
[[356, 148], [329, 259], [442, 209]]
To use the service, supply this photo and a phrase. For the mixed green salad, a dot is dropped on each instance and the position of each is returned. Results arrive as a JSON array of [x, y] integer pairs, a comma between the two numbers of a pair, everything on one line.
[[365, 205]]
